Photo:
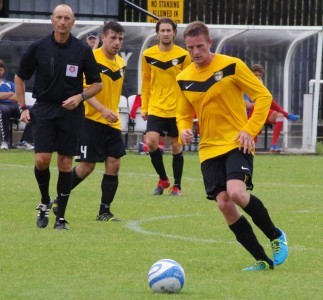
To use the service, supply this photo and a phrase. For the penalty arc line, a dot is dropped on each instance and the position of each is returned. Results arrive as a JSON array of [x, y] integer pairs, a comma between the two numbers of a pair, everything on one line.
[[135, 225]]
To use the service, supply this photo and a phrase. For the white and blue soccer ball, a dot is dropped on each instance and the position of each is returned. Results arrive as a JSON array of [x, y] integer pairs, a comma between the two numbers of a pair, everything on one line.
[[166, 276]]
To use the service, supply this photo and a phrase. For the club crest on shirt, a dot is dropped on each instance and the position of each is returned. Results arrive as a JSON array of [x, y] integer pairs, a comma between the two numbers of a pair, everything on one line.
[[175, 62], [218, 75], [71, 71]]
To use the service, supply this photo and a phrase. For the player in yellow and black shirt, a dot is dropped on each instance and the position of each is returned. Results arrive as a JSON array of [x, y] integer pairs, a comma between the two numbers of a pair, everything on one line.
[[160, 66], [102, 138], [212, 87]]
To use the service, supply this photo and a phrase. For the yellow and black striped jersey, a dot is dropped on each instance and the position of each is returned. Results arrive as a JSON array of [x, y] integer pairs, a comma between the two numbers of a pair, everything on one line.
[[112, 76], [159, 71], [215, 94]]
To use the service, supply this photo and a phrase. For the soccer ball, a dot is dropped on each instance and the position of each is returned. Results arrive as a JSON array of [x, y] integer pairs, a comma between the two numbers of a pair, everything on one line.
[[166, 276]]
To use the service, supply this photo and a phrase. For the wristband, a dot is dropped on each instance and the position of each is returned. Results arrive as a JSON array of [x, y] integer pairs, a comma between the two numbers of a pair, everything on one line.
[[84, 97], [22, 108]]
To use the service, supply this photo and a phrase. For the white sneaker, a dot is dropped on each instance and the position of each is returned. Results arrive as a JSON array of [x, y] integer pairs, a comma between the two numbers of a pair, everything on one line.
[[4, 145], [25, 146]]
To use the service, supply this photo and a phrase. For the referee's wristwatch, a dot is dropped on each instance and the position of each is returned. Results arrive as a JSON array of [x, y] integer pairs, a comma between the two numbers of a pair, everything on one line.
[[84, 97]]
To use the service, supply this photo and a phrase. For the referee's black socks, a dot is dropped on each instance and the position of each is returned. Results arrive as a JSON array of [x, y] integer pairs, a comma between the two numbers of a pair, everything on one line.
[[43, 177], [64, 184]]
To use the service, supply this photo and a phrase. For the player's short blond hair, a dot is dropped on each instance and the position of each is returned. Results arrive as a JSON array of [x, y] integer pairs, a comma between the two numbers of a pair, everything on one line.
[[196, 28]]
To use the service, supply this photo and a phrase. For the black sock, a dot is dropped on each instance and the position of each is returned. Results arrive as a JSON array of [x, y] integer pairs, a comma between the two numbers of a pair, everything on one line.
[[259, 214], [246, 237], [157, 161], [75, 179], [109, 187], [43, 178], [178, 163], [64, 184]]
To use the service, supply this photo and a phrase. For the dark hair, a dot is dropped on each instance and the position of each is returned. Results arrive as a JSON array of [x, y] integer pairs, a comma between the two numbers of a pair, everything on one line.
[[258, 68], [166, 21], [2, 64], [196, 28], [112, 25], [92, 34]]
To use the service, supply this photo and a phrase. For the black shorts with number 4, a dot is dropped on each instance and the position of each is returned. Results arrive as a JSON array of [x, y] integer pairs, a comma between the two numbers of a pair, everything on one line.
[[99, 141], [232, 165]]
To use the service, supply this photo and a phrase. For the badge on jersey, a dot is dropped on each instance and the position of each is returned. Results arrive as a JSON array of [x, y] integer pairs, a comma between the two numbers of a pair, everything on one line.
[[175, 62], [218, 75], [71, 71]]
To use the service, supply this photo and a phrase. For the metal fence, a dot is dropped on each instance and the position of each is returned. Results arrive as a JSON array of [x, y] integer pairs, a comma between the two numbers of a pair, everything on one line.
[[240, 12], [233, 12]]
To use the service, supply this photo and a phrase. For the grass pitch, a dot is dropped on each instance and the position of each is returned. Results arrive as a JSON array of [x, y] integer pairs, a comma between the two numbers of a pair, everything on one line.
[[97, 260]]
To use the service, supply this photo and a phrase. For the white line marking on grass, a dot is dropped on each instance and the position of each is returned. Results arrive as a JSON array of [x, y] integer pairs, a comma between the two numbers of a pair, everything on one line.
[[306, 211], [135, 225], [288, 185], [131, 174], [15, 166]]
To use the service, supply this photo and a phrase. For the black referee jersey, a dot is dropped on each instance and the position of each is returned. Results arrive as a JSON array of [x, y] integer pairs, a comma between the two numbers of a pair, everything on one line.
[[58, 68]]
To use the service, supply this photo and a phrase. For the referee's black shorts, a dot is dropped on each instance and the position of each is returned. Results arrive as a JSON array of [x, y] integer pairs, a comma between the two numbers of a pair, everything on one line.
[[232, 165], [55, 128], [99, 141]]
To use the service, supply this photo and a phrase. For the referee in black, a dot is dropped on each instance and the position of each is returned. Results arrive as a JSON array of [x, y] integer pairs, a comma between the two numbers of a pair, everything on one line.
[[59, 61]]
